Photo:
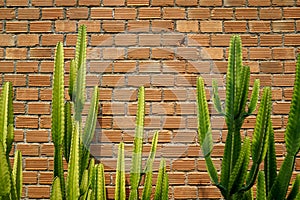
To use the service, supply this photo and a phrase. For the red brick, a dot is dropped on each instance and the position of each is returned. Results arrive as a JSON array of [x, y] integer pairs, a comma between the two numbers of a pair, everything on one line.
[[283, 53], [138, 53], [210, 3], [38, 192], [212, 53], [27, 40], [138, 26], [162, 25], [27, 94], [112, 80], [38, 80], [292, 40], [149, 39], [271, 67], [27, 122], [283, 3], [186, 3], [113, 26], [185, 192], [149, 67], [246, 13], [137, 2], [102, 40], [7, 66], [113, 53], [125, 13], [150, 13], [113, 3], [172, 39], [259, 2], [198, 13], [283, 80], [125, 40], [101, 13], [41, 26], [209, 192], [183, 164], [291, 13], [222, 13], [65, 26], [7, 40], [187, 26], [187, 53], [65, 3], [16, 26], [42, 2], [211, 26], [16, 53], [77, 13], [28, 13], [163, 80], [270, 40], [7, 13], [52, 13], [162, 53], [283, 26], [16, 79], [30, 177], [260, 53], [270, 13], [38, 108], [173, 13], [162, 2], [234, 3], [46, 178], [91, 25], [17, 2], [89, 2], [40, 53], [235, 26], [259, 26], [28, 149]]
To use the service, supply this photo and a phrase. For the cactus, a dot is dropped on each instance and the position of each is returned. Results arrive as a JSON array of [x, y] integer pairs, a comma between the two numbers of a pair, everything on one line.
[[235, 182], [11, 179]]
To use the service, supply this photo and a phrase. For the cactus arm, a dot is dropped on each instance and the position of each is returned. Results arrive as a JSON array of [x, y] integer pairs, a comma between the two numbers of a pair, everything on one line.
[[5, 182], [295, 189], [165, 189], [80, 62], [216, 98], [84, 183], [4, 99], [10, 119], [135, 171], [68, 130], [120, 193], [101, 191], [56, 193], [161, 188], [146, 195], [254, 97], [239, 172], [72, 80], [57, 115], [292, 134], [281, 183], [245, 78], [270, 166], [261, 189], [18, 174], [73, 166]]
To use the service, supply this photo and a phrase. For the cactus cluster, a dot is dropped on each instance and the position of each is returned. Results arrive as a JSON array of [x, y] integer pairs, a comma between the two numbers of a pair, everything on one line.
[[85, 179], [236, 181], [11, 179]]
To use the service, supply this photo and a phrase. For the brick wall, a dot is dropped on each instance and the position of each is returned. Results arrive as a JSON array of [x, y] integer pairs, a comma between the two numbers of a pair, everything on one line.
[[161, 44]]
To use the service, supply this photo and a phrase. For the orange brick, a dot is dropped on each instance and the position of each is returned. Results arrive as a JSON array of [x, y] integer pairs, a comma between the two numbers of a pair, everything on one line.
[[125, 13], [27, 40], [235, 26], [270, 13], [38, 108], [138, 53], [259, 2], [198, 13], [260, 53], [16, 53], [16, 2], [283, 26], [137, 2], [125, 40], [52, 13], [42, 2], [234, 3], [7, 40], [139, 26], [89, 2], [283, 80], [211, 26], [209, 192], [113, 3], [153, 95], [112, 80], [138, 80], [283, 53], [246, 13], [283, 3], [65, 26], [270, 40], [173, 39], [101, 13], [212, 53], [7, 66], [222, 13], [149, 67], [39, 192], [27, 94], [173, 13], [162, 25], [16, 79], [40, 53], [149, 39], [51, 40], [16, 26], [271, 67], [27, 122], [186, 3], [28, 149], [7, 13], [150, 13], [91, 25], [113, 26], [77, 13], [210, 3], [183, 164], [46, 178], [162, 2], [38, 80], [292, 39], [259, 26], [28, 13], [41, 26], [65, 3], [102, 40], [187, 53], [113, 53], [162, 53], [185, 192], [163, 80], [291, 13], [187, 26], [30, 177]]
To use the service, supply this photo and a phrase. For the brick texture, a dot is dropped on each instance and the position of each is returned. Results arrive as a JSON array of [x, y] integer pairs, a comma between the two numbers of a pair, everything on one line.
[[161, 44]]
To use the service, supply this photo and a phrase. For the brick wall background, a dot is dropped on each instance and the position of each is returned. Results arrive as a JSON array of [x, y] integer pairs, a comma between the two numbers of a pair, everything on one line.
[[161, 44]]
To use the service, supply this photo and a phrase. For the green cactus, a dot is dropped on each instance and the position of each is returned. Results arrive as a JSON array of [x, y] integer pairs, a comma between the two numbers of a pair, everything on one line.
[[235, 182], [11, 179]]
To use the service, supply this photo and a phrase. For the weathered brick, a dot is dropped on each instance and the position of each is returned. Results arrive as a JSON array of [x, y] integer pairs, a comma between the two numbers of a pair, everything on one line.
[[259, 26], [271, 67], [138, 26], [52, 13], [65, 3], [17, 2], [187, 26], [198, 13], [270, 13], [138, 53], [7, 13], [28, 13], [38, 108], [283, 53], [16, 26], [283, 3], [27, 94], [292, 39], [113, 26], [162, 2], [173, 13], [42, 2], [184, 192], [65, 26], [222, 13], [40, 53], [259, 2], [283, 26], [125, 13], [234, 2], [113, 3], [235, 26], [113, 53], [137, 2], [7, 40], [211, 26], [149, 39], [210, 3], [270, 40], [89, 2], [291, 13], [246, 13], [187, 53], [212, 53], [38, 80], [260, 53], [16, 53], [91, 25], [101, 13], [28, 149], [27, 122], [41, 26], [27, 40], [7, 66], [162, 53], [38, 192], [150, 13], [162, 25], [186, 3]]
